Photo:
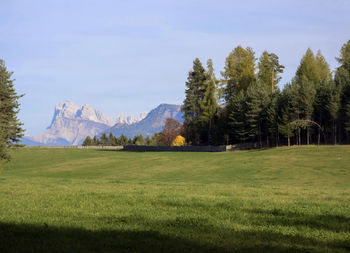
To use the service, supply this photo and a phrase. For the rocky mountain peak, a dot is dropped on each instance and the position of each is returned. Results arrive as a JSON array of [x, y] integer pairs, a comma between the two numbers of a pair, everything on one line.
[[72, 123], [127, 119], [70, 110]]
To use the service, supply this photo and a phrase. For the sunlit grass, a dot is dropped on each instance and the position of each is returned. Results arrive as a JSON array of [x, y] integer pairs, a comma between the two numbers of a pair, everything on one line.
[[276, 200]]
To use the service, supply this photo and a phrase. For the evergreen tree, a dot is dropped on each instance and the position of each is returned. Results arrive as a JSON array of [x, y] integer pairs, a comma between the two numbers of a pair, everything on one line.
[[155, 140], [123, 140], [10, 128], [196, 81], [342, 80], [326, 112], [257, 101], [88, 141], [139, 140], [95, 141], [104, 140], [271, 124], [269, 70], [286, 113], [239, 126], [209, 104]]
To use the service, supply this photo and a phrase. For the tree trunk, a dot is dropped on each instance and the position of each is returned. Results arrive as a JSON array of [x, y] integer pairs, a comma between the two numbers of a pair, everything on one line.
[[318, 137], [307, 135], [335, 133], [267, 141], [209, 133], [288, 140], [260, 142]]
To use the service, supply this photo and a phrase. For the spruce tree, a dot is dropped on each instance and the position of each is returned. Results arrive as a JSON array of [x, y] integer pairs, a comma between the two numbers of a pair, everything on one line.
[[209, 104], [10, 128], [196, 82], [238, 124], [342, 80], [287, 112]]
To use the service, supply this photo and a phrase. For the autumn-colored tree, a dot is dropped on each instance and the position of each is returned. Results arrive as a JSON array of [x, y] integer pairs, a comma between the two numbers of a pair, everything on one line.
[[179, 141], [171, 129]]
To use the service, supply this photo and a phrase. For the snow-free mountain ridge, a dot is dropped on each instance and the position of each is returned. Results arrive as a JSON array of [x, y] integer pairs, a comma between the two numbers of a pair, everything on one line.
[[152, 123], [72, 123]]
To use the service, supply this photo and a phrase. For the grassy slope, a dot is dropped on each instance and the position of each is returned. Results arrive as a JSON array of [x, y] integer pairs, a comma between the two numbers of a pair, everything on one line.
[[91, 200]]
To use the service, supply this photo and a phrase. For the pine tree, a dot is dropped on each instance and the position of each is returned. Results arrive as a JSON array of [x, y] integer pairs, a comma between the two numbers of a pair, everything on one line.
[[10, 128]]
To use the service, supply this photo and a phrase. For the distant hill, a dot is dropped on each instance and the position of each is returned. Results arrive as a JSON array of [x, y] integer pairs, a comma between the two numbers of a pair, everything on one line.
[[152, 123], [71, 124]]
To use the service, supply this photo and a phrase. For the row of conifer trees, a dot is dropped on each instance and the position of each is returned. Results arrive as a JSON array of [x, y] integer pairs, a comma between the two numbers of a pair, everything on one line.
[[111, 140], [246, 104]]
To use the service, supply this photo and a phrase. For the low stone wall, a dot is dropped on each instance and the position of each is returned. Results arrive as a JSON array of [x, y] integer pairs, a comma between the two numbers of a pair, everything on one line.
[[175, 148]]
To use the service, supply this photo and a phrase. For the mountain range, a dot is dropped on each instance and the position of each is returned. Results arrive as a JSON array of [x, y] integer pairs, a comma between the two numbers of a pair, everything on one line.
[[72, 123]]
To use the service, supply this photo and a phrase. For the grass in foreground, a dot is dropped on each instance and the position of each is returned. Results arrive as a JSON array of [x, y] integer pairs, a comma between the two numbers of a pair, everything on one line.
[[277, 200]]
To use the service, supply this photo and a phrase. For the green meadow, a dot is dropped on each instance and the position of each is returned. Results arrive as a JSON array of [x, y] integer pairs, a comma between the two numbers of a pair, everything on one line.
[[276, 200]]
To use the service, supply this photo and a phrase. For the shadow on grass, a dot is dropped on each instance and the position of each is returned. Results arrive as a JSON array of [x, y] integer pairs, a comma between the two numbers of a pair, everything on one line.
[[108, 149], [335, 223], [36, 238]]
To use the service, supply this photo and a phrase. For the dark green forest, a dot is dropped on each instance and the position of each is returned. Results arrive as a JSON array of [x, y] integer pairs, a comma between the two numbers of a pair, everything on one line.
[[246, 105]]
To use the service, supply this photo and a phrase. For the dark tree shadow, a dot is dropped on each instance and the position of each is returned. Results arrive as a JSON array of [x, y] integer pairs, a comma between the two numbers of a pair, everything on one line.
[[34, 238], [45, 238], [335, 223]]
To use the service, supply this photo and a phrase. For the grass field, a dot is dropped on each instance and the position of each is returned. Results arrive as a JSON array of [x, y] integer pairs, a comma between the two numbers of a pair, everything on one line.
[[275, 200]]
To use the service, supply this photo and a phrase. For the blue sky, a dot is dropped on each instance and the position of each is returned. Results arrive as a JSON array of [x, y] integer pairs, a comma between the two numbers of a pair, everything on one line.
[[125, 57]]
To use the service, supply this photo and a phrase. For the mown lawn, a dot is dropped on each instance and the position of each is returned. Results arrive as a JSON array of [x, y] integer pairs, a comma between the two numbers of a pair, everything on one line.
[[277, 200]]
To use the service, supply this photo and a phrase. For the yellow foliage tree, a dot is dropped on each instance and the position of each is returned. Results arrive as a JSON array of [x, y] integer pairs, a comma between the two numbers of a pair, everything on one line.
[[178, 141]]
